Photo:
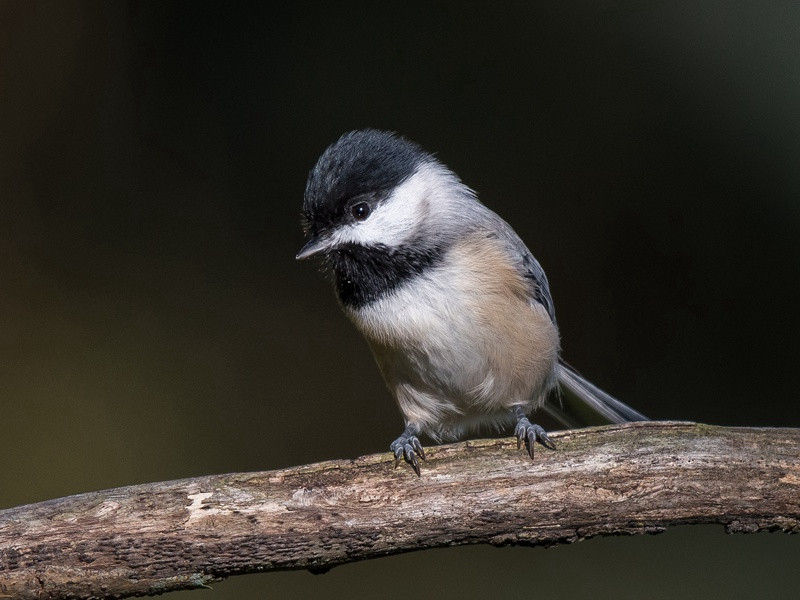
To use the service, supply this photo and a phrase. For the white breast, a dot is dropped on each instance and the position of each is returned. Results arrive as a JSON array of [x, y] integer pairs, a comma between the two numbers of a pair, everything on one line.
[[462, 343]]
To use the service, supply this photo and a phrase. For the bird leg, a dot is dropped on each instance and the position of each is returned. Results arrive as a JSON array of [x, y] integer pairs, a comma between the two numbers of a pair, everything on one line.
[[407, 447], [529, 433]]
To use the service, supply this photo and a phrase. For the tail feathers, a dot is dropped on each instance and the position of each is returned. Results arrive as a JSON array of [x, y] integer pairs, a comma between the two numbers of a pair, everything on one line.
[[584, 403]]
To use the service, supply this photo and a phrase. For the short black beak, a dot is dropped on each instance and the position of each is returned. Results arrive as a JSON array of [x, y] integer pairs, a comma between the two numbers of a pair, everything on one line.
[[314, 246]]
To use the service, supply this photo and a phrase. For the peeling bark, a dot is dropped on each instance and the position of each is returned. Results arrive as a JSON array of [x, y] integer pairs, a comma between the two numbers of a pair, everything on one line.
[[632, 478]]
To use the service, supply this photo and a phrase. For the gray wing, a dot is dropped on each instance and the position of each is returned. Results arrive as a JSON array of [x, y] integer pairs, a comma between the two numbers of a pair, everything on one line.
[[526, 264], [580, 401], [534, 272]]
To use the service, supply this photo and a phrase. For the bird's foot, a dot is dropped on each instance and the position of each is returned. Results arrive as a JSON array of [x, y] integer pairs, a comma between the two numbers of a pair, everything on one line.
[[529, 433], [407, 447]]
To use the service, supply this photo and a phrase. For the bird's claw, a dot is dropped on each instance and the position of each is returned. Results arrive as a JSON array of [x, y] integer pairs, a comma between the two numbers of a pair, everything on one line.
[[530, 433], [408, 447]]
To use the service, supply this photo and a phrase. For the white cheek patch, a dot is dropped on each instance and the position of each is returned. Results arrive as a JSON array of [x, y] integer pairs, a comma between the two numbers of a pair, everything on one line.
[[399, 217]]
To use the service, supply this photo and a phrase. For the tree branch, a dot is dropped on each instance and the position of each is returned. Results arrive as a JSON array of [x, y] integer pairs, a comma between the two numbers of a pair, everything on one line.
[[632, 478]]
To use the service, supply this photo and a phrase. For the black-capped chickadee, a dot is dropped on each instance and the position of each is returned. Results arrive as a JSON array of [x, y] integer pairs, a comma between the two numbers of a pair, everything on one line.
[[454, 306]]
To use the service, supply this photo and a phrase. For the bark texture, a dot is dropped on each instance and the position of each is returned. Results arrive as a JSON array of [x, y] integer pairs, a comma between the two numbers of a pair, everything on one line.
[[632, 478]]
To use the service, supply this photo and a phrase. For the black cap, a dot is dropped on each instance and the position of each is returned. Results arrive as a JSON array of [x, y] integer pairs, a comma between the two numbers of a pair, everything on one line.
[[365, 161]]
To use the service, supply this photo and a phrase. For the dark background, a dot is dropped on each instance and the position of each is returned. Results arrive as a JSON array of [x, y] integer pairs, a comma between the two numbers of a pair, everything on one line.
[[155, 325]]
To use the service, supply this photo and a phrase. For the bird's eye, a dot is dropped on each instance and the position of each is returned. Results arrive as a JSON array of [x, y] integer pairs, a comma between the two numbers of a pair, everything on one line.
[[360, 211]]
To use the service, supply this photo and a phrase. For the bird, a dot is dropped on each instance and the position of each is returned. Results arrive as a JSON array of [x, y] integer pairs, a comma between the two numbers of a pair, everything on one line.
[[455, 308]]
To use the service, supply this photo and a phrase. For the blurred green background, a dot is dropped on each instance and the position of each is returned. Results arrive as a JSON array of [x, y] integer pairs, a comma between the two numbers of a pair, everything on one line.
[[154, 323]]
